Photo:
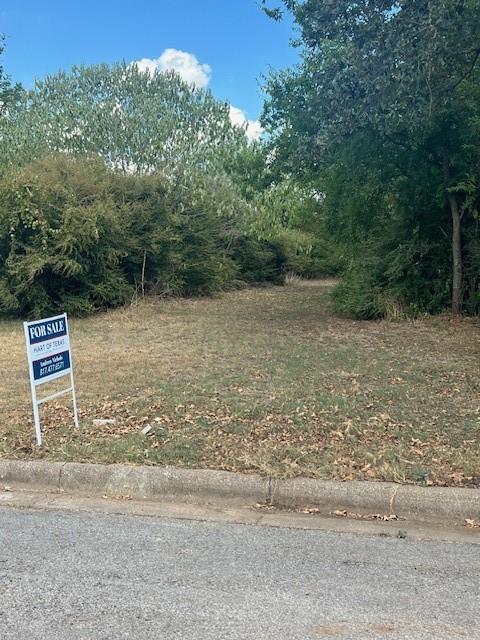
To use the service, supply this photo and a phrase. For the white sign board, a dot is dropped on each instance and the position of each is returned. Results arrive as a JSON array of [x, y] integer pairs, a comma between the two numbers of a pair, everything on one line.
[[49, 358]]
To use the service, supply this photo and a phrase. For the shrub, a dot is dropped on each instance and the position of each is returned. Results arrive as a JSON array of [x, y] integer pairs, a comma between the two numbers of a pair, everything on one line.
[[258, 260], [385, 279], [62, 241], [312, 254], [79, 237]]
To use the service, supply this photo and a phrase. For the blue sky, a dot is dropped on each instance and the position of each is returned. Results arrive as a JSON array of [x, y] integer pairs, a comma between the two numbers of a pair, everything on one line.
[[233, 37]]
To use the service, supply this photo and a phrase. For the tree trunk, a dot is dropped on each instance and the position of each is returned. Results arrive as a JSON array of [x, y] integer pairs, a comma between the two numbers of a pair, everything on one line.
[[457, 261], [457, 283]]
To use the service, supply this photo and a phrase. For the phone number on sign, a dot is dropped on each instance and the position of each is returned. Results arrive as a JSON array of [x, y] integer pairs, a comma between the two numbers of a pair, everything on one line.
[[52, 368]]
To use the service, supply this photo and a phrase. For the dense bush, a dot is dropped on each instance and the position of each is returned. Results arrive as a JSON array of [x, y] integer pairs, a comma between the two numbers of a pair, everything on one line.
[[310, 253], [174, 245], [395, 234], [79, 237], [258, 260], [62, 239]]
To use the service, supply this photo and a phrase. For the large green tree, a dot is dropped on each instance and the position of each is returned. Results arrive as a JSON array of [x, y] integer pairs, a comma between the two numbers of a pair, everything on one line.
[[137, 121], [405, 72]]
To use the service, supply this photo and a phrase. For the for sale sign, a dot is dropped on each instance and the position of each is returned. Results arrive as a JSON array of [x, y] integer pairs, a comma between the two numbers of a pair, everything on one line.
[[49, 358], [48, 347]]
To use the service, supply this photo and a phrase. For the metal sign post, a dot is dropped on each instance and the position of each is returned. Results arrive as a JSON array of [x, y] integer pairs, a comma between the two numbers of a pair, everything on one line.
[[49, 358]]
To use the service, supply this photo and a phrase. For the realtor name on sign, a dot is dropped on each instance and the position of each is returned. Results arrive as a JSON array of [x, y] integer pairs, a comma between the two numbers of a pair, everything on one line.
[[51, 365]]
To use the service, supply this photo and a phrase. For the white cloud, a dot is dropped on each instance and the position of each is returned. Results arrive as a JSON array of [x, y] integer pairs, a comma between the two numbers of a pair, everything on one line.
[[185, 64], [253, 130], [189, 69]]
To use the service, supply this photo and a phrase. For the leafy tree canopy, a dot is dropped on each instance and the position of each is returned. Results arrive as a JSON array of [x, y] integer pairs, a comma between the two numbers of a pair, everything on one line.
[[394, 66], [137, 121]]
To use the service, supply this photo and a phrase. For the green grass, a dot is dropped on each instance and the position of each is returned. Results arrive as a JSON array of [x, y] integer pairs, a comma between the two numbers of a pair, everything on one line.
[[261, 380]]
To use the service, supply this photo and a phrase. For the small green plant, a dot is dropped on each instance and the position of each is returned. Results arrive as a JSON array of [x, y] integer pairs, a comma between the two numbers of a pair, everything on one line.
[[420, 475]]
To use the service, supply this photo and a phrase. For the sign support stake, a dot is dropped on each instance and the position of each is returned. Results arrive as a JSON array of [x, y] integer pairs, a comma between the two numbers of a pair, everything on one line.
[[74, 395]]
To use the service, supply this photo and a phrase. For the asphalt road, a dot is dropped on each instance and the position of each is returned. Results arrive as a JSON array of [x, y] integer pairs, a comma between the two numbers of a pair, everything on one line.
[[87, 576]]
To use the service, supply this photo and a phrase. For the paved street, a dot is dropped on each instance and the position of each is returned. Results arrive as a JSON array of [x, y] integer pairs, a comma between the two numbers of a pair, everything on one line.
[[88, 576]]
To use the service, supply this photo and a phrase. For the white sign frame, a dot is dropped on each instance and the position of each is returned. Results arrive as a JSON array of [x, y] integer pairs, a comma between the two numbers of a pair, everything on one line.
[[49, 358]]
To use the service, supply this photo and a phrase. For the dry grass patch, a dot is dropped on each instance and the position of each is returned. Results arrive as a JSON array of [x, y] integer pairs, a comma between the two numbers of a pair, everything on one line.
[[263, 380]]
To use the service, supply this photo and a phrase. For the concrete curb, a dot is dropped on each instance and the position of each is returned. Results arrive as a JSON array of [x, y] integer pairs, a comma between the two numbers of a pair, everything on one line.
[[204, 485]]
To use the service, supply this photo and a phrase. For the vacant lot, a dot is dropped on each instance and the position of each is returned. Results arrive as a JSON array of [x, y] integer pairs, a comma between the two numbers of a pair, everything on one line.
[[263, 380]]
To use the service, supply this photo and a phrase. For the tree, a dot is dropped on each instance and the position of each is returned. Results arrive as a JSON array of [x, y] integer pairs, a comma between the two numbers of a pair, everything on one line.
[[138, 122], [402, 70]]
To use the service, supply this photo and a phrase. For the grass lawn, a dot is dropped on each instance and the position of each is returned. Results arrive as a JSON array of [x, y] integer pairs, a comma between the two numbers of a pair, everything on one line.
[[260, 380]]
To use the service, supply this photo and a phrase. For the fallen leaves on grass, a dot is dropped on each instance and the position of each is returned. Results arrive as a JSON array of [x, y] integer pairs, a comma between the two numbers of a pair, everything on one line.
[[262, 381]]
